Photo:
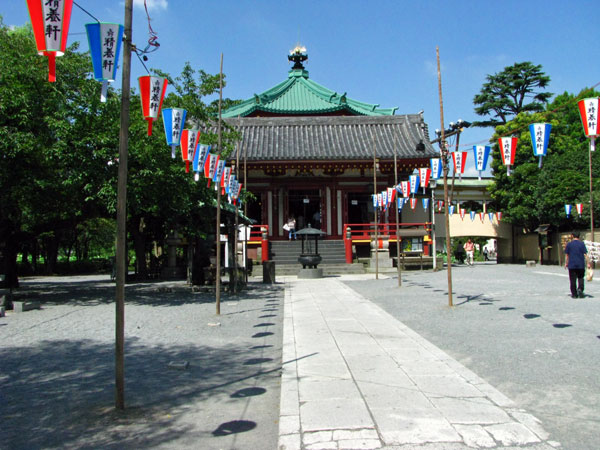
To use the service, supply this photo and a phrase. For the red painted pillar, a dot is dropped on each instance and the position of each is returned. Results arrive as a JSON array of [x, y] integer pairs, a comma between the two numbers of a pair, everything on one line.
[[348, 245], [264, 245]]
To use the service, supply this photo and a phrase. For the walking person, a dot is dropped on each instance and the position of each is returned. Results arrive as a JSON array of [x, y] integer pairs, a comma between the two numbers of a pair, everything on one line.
[[291, 227], [470, 249], [576, 260]]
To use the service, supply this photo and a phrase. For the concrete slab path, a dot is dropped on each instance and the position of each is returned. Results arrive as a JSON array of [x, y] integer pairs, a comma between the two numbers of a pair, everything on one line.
[[354, 377]]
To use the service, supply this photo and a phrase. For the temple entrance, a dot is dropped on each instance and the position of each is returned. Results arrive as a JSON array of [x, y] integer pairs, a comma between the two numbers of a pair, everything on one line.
[[305, 206], [360, 207]]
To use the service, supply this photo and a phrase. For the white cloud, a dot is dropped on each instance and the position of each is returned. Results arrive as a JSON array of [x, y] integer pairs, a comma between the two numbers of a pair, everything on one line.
[[153, 5]]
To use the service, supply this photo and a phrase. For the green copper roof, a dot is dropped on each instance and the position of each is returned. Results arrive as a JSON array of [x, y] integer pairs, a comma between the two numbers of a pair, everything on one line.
[[299, 95]]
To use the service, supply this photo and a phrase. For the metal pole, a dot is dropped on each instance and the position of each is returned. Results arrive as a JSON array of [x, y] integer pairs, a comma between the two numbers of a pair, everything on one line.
[[218, 235], [591, 198], [433, 246], [397, 212], [376, 245], [121, 254], [444, 152]]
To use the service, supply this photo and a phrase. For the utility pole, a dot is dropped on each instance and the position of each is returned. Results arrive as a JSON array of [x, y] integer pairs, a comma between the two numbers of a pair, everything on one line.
[[121, 254], [218, 235], [444, 153], [376, 246], [398, 263]]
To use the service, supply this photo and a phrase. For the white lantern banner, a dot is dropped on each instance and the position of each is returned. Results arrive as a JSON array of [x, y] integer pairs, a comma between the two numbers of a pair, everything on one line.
[[588, 110], [508, 149], [414, 183], [459, 159], [540, 136], [104, 40], [481, 154], [405, 188], [436, 168], [174, 121], [424, 176], [579, 208]]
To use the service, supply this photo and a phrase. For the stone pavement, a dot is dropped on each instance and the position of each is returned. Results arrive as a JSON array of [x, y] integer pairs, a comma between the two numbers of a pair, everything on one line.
[[354, 377]]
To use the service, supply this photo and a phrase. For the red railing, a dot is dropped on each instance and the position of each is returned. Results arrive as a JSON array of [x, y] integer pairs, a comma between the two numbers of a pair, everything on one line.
[[365, 232]]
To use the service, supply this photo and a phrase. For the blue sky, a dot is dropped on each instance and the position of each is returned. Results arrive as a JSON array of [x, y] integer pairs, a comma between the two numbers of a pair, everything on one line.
[[377, 51]]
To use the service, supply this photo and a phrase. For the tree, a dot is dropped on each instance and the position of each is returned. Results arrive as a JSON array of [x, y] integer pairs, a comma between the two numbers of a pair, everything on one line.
[[514, 90], [531, 196]]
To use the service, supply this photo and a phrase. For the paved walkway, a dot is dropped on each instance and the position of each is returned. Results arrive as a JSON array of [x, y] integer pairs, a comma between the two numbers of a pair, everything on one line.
[[354, 377]]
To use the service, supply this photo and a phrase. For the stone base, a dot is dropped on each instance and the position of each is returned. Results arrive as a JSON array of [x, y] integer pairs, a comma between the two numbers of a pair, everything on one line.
[[2, 311], [310, 273], [26, 306], [383, 259], [530, 264]]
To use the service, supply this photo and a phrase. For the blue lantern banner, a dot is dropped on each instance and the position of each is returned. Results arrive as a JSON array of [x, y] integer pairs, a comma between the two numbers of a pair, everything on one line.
[[105, 41], [491, 217], [568, 210], [199, 160], [174, 121], [374, 200], [481, 154], [540, 136], [414, 183], [400, 203], [436, 168], [451, 209], [425, 203], [472, 215]]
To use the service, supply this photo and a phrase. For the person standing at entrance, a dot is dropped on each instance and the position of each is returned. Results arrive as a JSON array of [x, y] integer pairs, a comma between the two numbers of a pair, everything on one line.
[[291, 226], [469, 248], [575, 261]]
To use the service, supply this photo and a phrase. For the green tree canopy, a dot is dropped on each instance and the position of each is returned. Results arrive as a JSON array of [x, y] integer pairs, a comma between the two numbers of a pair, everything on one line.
[[531, 196], [514, 90]]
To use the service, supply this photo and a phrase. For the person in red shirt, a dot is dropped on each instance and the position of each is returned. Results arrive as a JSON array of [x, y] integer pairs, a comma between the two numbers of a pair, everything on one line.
[[469, 248]]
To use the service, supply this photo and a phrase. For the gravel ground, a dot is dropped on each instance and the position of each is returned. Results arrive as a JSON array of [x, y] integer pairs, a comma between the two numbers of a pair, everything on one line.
[[57, 367], [517, 328]]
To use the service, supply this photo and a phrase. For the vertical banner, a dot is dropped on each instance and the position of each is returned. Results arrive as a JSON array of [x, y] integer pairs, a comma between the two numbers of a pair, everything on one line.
[[436, 168], [414, 183], [174, 121], [481, 154], [104, 40], [189, 141], [508, 149], [540, 136], [152, 93], [588, 110], [568, 210], [459, 159], [424, 175]]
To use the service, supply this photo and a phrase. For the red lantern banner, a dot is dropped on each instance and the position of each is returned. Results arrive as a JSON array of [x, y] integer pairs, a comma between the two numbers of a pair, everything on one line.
[[152, 92], [189, 141], [50, 20], [508, 149], [588, 110]]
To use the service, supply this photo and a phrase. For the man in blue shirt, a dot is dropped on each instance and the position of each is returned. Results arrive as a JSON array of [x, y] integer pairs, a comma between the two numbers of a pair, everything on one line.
[[576, 259]]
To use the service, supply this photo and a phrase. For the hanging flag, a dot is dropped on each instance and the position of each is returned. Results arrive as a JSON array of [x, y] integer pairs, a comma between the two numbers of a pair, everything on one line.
[[400, 203], [189, 142], [218, 173], [436, 168], [174, 121], [391, 194], [104, 40], [568, 210], [481, 154], [152, 93], [540, 136], [508, 149], [374, 201], [413, 203], [462, 212], [579, 208], [440, 205], [459, 159], [472, 214], [451, 209], [414, 183], [199, 160], [425, 203], [405, 188], [498, 216], [588, 110], [232, 182], [50, 21], [424, 175], [225, 179], [481, 216], [379, 200], [210, 167], [384, 199]]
